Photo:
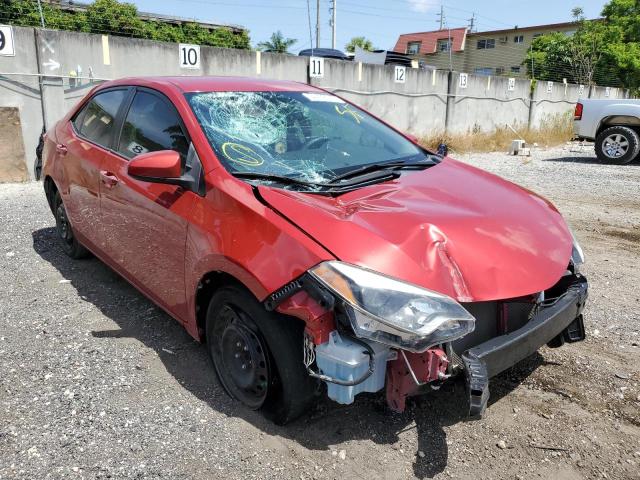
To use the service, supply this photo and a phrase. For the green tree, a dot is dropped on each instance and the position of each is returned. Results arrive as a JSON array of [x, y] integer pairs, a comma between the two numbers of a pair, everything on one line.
[[361, 42], [622, 52], [111, 16], [556, 56], [117, 18], [549, 58], [277, 43]]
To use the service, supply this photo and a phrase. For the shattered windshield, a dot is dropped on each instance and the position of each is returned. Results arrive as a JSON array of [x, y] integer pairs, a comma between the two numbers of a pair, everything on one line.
[[307, 136]]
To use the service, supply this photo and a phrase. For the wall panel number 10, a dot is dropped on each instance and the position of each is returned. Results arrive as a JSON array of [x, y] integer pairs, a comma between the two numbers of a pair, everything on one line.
[[189, 56], [7, 47]]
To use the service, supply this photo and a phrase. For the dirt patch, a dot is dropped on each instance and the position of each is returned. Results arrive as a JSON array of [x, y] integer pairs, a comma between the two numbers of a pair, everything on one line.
[[628, 235], [12, 158]]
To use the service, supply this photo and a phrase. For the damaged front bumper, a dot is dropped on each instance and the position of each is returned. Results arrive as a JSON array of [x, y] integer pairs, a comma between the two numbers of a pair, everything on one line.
[[554, 322]]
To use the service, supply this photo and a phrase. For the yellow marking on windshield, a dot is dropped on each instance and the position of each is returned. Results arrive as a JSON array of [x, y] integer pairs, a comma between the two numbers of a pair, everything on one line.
[[241, 154], [346, 110]]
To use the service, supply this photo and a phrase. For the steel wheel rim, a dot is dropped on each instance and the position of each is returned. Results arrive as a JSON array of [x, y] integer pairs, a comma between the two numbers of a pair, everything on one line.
[[615, 145], [62, 225], [244, 360]]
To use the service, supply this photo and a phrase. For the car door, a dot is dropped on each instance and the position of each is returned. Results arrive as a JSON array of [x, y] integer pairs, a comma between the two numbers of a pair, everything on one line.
[[82, 145], [145, 223]]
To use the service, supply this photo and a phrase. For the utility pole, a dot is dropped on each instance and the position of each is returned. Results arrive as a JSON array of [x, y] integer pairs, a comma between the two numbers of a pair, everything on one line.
[[472, 22], [441, 19], [318, 24], [333, 26]]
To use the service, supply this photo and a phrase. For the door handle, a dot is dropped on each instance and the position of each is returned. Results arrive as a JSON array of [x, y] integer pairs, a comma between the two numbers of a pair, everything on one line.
[[61, 149], [109, 180]]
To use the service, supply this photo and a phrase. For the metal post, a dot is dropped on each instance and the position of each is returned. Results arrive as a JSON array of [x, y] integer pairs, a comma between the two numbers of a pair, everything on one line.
[[333, 36], [450, 48], [318, 24], [41, 15]]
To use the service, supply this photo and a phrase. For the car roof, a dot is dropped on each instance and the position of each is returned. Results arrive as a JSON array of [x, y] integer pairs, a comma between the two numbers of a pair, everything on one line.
[[216, 84]]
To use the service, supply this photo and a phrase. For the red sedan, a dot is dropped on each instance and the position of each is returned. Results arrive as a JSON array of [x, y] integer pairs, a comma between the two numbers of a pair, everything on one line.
[[308, 243]]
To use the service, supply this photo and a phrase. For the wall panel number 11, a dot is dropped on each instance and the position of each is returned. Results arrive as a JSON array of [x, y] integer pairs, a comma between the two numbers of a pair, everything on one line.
[[189, 56], [316, 67], [6, 41]]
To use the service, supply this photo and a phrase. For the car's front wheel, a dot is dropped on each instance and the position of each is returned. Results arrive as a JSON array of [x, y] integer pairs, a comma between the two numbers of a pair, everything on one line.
[[258, 355], [67, 239], [617, 145]]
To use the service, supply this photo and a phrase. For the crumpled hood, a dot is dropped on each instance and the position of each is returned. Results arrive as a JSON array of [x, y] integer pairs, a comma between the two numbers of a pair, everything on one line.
[[451, 228]]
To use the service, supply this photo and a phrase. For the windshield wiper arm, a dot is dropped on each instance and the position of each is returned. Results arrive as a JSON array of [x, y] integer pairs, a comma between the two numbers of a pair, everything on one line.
[[274, 178], [427, 162]]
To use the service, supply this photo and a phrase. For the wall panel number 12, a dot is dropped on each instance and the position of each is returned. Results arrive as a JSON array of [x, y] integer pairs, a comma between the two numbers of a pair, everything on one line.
[[189, 56], [7, 47], [400, 73]]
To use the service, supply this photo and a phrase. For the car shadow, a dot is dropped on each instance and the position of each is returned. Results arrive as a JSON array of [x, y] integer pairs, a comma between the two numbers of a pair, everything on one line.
[[588, 161], [325, 425]]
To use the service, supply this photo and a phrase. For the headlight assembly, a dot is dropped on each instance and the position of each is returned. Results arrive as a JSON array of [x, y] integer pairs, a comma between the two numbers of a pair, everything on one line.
[[391, 311], [577, 255]]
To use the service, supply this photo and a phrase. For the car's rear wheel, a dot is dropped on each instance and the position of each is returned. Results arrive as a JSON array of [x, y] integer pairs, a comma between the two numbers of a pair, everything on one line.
[[67, 239], [617, 145], [258, 355]]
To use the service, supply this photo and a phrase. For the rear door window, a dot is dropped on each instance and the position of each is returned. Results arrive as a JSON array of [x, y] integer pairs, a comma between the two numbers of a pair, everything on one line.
[[152, 124], [96, 121]]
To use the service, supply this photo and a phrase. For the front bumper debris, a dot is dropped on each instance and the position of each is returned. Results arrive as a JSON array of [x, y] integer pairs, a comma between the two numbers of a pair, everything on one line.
[[560, 319]]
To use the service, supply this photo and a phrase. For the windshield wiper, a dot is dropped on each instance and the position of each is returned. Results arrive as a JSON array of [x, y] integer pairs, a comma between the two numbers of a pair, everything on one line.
[[274, 178], [392, 165]]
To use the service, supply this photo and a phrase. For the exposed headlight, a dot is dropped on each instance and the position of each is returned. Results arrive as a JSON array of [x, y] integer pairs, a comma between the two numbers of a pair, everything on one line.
[[391, 311], [577, 255]]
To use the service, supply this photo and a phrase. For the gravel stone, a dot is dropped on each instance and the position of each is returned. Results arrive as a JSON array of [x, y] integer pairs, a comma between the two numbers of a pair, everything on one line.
[[87, 389]]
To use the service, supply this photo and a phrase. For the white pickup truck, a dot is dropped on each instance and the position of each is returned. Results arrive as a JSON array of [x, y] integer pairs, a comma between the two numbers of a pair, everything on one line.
[[614, 125]]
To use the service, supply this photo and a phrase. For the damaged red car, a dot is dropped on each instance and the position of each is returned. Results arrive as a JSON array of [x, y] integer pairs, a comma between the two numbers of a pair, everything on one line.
[[312, 247]]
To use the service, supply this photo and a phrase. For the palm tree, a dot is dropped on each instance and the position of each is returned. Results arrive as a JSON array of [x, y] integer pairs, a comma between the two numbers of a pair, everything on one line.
[[361, 42], [277, 43]]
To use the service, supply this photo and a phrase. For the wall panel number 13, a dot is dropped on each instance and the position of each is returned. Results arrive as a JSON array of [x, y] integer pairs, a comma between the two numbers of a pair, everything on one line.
[[189, 56], [6, 41]]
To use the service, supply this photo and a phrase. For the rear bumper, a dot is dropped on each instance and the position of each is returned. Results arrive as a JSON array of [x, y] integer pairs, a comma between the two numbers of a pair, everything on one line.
[[561, 319]]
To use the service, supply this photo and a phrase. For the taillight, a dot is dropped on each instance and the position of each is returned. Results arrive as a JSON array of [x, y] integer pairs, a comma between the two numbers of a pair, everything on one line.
[[578, 113]]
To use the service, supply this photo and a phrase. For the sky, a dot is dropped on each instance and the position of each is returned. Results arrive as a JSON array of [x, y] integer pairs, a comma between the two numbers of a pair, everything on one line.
[[381, 21]]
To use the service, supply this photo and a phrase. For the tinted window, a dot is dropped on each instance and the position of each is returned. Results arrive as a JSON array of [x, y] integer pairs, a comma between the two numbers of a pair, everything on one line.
[[151, 124], [98, 117]]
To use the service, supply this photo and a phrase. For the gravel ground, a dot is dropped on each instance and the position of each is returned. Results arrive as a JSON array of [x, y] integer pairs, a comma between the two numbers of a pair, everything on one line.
[[96, 382]]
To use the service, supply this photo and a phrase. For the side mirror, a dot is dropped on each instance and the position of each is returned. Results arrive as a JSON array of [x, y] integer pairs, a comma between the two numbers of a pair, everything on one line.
[[156, 166], [165, 166]]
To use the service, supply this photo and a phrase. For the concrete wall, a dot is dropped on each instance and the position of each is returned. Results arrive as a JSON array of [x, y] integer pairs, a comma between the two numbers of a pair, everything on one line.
[[487, 103], [52, 70], [417, 106]]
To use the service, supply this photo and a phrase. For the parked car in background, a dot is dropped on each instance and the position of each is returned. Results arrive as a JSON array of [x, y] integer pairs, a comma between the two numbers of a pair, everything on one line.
[[324, 52], [614, 126], [308, 243]]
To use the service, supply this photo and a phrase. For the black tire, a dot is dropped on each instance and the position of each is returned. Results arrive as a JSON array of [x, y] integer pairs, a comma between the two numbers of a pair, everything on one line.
[[67, 239], [617, 145], [274, 346]]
